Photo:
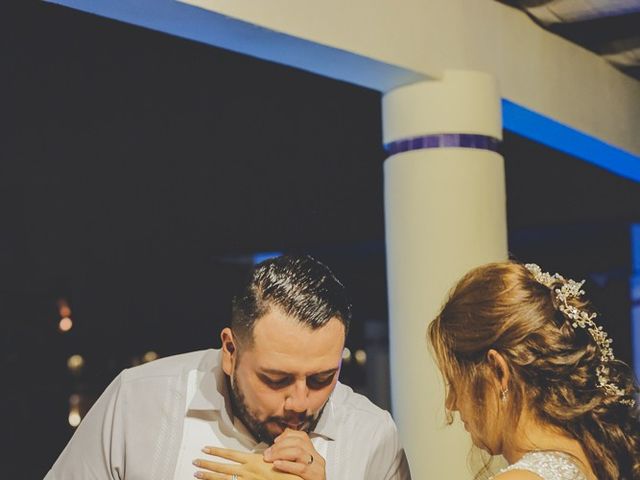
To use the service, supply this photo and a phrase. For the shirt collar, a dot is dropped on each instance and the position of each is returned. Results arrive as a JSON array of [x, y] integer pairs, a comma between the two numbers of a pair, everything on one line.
[[211, 390], [211, 395], [327, 424]]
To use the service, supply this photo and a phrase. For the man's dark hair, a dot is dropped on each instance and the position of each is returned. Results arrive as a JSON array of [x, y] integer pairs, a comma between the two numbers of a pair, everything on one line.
[[302, 287]]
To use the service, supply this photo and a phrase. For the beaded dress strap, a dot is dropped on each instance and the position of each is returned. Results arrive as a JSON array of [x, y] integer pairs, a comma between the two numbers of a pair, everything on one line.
[[548, 466]]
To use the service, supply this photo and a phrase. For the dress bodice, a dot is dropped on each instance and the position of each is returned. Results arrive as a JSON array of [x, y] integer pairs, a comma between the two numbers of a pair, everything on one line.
[[548, 466]]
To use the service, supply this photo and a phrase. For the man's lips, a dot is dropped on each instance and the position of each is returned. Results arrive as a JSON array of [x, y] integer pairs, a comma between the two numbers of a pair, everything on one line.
[[293, 426]]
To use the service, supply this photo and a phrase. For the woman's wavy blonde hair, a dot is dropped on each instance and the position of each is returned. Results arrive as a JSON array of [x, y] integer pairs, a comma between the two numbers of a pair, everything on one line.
[[552, 364]]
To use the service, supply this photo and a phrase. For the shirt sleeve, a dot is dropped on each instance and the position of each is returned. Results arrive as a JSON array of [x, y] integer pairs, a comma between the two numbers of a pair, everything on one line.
[[96, 450], [388, 461]]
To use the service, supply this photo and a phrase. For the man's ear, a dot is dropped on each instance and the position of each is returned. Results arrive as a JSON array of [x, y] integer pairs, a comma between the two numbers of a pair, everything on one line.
[[500, 369], [229, 351]]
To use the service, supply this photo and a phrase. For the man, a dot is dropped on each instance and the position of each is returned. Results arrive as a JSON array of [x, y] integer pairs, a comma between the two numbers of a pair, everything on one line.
[[272, 388]]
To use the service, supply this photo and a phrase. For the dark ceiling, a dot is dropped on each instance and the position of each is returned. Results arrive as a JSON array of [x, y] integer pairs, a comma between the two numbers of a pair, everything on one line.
[[608, 28]]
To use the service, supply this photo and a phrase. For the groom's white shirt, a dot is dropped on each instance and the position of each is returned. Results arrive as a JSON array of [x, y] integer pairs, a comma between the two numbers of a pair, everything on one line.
[[206, 418], [153, 420]]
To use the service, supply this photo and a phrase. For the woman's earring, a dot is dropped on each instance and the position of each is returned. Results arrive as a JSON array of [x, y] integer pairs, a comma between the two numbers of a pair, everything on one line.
[[504, 394]]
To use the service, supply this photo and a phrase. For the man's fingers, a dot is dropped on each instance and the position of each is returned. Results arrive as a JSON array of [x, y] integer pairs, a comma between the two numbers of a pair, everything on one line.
[[293, 454], [289, 433], [233, 455], [217, 467], [290, 442], [294, 468], [274, 451]]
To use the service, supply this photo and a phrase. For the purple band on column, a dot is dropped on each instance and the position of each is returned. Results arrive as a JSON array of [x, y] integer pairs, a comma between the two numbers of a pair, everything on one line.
[[444, 140]]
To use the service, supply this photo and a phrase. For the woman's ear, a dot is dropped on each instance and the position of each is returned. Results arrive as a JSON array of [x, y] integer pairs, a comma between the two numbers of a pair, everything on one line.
[[229, 351], [500, 369]]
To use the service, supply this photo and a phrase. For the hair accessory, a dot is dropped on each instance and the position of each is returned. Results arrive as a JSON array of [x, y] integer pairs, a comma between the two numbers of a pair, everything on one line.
[[579, 318], [504, 394]]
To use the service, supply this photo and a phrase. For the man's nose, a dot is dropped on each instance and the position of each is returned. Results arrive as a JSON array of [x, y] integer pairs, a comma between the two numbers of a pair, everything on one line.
[[297, 399]]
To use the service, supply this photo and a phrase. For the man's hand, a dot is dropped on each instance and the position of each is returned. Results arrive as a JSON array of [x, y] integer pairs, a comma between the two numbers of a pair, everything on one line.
[[293, 452]]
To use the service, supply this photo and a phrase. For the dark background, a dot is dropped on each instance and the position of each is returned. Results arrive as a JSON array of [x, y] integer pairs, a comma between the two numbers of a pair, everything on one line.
[[140, 172]]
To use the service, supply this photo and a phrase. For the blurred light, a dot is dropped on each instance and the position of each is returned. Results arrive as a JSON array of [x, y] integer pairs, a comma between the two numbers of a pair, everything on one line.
[[149, 356], [75, 363], [74, 408], [346, 355], [65, 324], [361, 357], [74, 418], [63, 308], [261, 257]]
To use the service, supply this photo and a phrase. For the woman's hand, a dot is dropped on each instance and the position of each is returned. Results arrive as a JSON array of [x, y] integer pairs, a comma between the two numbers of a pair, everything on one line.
[[248, 466]]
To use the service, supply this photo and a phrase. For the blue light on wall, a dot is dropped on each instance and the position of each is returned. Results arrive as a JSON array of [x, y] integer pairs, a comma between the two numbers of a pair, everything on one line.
[[537, 127]]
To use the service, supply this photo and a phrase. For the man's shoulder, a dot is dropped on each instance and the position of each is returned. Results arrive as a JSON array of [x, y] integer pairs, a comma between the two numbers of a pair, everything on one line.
[[359, 421], [172, 366], [357, 404]]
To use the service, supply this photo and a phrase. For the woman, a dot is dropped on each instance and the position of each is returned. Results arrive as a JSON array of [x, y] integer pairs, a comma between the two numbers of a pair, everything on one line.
[[534, 378]]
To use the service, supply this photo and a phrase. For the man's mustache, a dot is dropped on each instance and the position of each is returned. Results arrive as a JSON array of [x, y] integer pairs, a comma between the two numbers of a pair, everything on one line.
[[298, 420]]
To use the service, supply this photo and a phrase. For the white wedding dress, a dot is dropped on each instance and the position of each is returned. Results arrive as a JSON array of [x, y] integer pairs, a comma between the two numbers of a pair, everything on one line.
[[548, 466]]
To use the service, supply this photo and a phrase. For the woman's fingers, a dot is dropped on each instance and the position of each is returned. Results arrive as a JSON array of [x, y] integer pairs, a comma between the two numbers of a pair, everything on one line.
[[212, 476], [233, 455], [217, 467]]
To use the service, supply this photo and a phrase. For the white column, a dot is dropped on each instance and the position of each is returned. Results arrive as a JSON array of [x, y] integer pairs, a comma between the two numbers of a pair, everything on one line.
[[445, 213]]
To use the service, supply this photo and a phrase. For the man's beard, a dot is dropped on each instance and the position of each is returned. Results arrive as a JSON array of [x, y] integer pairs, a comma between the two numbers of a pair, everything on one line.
[[258, 428]]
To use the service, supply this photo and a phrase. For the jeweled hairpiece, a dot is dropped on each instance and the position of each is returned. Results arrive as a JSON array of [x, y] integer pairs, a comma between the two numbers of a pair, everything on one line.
[[579, 318]]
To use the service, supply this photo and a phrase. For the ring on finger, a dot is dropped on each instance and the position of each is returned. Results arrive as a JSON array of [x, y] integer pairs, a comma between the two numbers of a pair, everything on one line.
[[310, 459]]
